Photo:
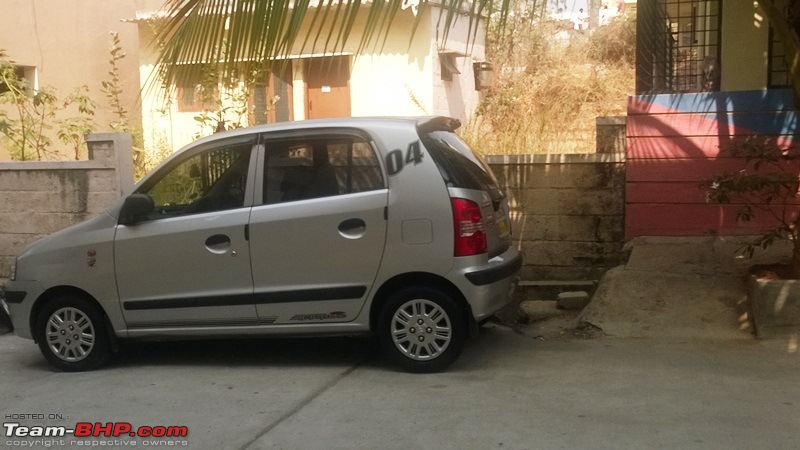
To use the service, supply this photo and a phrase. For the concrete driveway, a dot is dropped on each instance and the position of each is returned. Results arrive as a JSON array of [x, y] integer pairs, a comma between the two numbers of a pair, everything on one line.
[[509, 390]]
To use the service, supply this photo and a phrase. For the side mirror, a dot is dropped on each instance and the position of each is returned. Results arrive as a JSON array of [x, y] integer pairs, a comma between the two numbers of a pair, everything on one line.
[[136, 208]]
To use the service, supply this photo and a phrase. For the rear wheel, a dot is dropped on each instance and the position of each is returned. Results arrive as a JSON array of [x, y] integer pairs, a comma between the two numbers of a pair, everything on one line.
[[421, 329], [72, 334]]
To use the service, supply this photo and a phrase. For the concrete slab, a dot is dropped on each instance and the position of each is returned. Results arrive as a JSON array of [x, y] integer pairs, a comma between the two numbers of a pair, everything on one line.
[[632, 303], [700, 255], [678, 288]]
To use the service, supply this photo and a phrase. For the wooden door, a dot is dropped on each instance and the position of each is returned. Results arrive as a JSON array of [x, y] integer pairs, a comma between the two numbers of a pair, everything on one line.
[[327, 87]]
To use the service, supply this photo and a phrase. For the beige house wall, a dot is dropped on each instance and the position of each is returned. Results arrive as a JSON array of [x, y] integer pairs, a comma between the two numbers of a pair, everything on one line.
[[745, 36], [67, 43], [458, 97], [382, 81], [395, 80], [399, 78]]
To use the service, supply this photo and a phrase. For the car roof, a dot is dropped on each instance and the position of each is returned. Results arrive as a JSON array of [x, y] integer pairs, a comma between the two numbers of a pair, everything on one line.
[[345, 122]]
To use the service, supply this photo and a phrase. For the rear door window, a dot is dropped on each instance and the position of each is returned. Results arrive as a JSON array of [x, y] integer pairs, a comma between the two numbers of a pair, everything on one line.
[[302, 169]]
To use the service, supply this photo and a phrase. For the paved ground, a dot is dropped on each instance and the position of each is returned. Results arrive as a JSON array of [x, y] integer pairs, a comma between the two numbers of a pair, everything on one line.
[[509, 390]]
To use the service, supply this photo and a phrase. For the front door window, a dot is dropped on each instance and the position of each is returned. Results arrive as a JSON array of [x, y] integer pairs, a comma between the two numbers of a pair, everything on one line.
[[211, 181]]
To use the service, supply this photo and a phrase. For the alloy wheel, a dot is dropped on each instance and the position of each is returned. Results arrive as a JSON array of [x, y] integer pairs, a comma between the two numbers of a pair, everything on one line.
[[70, 334], [421, 329]]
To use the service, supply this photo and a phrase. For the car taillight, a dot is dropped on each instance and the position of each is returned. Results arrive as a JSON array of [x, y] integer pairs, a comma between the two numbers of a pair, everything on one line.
[[470, 235]]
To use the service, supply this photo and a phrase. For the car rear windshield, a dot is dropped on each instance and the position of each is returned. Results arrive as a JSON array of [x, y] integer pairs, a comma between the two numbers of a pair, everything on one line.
[[460, 167]]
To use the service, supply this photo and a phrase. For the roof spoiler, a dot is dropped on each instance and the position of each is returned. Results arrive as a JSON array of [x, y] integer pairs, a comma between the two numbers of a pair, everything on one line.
[[438, 123]]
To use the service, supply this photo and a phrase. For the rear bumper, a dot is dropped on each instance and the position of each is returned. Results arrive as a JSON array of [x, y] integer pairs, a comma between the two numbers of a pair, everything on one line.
[[495, 273], [491, 286]]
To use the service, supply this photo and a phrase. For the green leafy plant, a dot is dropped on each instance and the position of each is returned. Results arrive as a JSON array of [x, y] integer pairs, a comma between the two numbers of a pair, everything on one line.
[[36, 116], [113, 90], [769, 183], [71, 131], [226, 101]]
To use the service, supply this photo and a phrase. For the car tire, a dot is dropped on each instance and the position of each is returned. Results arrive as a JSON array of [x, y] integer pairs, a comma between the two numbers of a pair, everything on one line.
[[421, 329], [72, 335]]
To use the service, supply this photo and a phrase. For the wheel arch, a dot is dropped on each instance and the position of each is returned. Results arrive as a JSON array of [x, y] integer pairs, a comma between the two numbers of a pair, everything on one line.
[[426, 279], [55, 292]]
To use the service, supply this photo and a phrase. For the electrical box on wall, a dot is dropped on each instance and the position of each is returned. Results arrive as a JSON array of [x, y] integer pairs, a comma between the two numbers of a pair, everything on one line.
[[484, 75]]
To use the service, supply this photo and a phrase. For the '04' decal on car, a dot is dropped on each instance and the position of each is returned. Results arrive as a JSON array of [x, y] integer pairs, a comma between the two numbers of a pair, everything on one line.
[[395, 160]]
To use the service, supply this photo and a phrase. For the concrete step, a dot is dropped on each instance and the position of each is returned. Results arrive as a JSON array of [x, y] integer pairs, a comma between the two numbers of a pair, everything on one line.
[[536, 310], [573, 301], [550, 289]]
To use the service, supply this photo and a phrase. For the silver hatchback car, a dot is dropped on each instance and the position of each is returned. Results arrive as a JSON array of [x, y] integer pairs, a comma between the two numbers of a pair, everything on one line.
[[389, 226]]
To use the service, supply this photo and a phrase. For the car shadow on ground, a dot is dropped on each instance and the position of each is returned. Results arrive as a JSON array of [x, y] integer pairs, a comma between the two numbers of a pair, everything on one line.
[[278, 352], [274, 352]]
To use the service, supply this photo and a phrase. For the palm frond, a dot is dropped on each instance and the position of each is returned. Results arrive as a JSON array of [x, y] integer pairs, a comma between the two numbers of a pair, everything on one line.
[[240, 36]]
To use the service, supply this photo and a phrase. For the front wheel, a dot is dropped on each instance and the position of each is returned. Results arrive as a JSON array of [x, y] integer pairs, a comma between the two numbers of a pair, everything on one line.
[[72, 334], [421, 329]]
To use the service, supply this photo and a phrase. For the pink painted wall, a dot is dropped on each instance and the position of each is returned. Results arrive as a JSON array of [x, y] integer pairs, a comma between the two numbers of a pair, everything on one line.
[[674, 143]]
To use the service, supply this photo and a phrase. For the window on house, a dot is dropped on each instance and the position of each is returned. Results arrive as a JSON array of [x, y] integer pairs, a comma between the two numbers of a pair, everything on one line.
[[188, 100], [778, 71], [271, 98], [678, 46], [447, 61], [196, 98], [778, 75], [24, 76]]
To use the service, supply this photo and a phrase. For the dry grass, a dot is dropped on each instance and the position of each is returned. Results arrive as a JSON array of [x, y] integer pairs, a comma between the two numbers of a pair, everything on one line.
[[549, 91]]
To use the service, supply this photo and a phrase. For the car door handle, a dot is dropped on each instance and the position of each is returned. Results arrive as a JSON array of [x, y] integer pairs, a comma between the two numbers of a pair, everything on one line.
[[218, 243], [352, 228]]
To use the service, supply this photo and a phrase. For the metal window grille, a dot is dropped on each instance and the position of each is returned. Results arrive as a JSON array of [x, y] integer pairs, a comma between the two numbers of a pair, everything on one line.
[[778, 75], [678, 46], [778, 71]]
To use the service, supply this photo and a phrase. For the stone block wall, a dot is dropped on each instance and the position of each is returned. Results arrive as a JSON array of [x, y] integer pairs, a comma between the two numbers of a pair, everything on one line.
[[38, 198], [567, 212]]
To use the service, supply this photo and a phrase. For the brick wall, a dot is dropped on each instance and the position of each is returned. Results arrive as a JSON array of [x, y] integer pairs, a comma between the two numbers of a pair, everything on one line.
[[567, 212], [38, 198]]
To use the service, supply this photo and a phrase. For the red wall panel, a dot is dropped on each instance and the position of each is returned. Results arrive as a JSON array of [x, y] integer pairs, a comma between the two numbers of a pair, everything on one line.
[[675, 142]]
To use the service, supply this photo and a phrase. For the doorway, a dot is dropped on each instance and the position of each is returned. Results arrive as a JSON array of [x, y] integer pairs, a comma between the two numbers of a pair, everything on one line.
[[327, 87]]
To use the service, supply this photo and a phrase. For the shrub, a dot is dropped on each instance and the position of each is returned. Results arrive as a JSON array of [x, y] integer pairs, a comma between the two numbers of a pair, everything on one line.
[[35, 116], [769, 183], [551, 84]]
